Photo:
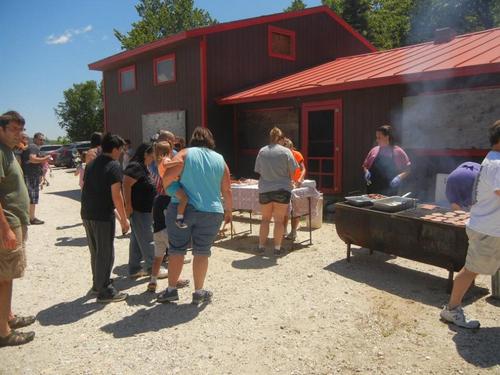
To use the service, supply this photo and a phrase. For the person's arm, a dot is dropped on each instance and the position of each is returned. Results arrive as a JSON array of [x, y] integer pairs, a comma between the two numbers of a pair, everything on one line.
[[116, 194], [227, 195], [128, 182], [497, 192], [8, 238], [302, 172], [37, 159], [172, 173]]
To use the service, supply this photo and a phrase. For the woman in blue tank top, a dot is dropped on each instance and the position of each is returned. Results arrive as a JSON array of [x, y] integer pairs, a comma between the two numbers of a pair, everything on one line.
[[205, 177]]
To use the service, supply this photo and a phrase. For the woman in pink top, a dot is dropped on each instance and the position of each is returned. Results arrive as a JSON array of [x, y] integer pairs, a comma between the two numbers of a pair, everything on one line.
[[386, 165]]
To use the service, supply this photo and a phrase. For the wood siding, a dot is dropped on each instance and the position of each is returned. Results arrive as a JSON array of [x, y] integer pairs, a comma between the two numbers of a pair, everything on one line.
[[239, 59], [124, 111], [365, 110]]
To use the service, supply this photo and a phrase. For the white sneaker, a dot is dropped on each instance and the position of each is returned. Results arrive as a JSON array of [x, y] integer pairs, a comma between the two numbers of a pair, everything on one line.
[[163, 273], [457, 316]]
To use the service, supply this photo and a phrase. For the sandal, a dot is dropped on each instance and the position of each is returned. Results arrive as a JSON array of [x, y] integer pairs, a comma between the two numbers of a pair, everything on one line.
[[182, 283], [21, 321], [17, 338]]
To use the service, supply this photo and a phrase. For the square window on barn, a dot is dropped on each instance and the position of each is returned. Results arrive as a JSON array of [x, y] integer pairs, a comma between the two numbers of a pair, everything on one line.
[[281, 43], [126, 79], [164, 69]]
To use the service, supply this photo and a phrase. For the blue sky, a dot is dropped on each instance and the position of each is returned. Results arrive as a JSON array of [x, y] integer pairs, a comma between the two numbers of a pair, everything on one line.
[[46, 47]]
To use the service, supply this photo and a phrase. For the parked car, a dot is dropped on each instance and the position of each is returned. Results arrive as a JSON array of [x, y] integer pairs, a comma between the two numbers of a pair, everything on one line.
[[50, 150], [68, 153]]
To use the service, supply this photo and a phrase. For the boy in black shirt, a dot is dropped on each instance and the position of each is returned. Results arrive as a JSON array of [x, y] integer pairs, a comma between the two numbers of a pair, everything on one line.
[[101, 194]]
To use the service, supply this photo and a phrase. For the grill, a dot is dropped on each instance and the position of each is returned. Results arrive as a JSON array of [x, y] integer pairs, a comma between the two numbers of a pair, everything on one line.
[[403, 234]]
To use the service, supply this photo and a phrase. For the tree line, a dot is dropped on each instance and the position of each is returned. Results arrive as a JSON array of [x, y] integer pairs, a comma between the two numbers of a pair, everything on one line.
[[386, 24]]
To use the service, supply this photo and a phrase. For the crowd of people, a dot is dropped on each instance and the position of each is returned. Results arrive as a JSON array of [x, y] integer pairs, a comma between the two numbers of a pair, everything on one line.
[[174, 198]]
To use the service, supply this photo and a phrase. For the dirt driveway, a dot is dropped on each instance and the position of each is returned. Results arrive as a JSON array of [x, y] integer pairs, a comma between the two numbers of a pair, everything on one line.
[[309, 312]]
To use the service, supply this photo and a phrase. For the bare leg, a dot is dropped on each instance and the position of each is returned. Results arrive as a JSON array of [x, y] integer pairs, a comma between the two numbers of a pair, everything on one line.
[[5, 306], [175, 264], [462, 282], [183, 201], [32, 211], [267, 211], [295, 224], [279, 213], [200, 267], [155, 269], [285, 224]]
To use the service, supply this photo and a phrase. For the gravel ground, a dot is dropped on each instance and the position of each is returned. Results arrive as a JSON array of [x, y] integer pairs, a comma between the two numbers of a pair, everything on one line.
[[308, 312]]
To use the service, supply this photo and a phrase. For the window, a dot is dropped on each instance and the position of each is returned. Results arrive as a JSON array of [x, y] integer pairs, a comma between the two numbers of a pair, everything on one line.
[[281, 43], [126, 79], [164, 69]]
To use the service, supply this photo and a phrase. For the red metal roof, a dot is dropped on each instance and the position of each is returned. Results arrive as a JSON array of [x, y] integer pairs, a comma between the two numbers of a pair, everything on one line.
[[125, 56], [466, 55]]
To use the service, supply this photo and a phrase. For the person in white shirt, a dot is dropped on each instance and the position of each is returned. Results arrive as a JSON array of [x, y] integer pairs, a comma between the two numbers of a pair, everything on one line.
[[483, 230]]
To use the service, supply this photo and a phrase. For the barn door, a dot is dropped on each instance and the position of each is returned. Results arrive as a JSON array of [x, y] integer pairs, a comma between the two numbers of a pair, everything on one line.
[[322, 144]]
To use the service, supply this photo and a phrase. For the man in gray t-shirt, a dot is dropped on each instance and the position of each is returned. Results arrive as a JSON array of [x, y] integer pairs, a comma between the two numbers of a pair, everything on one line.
[[274, 163]]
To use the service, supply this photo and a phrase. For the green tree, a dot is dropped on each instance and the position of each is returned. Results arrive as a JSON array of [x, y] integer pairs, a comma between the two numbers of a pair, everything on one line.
[[161, 18], [464, 16], [354, 12], [389, 23], [81, 113], [295, 5]]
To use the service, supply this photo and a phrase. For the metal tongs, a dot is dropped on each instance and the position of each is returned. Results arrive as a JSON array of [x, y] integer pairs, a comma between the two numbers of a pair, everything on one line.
[[406, 195]]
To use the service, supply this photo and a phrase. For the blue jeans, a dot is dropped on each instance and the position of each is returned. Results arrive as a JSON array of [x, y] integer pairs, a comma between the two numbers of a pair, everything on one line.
[[141, 241], [200, 233]]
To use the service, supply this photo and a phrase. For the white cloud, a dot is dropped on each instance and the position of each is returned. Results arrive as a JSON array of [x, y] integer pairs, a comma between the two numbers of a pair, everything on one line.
[[67, 36]]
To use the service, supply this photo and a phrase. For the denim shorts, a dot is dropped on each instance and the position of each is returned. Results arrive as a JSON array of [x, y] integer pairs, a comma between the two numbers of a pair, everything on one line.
[[278, 196], [202, 228]]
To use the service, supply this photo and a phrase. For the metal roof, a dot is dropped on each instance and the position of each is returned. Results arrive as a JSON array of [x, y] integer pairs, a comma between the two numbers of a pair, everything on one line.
[[465, 55], [128, 56]]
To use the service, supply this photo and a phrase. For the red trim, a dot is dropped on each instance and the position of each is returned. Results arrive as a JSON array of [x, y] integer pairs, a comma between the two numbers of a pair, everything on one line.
[[377, 82], [104, 104], [276, 30], [170, 56], [107, 63], [203, 80], [449, 152], [336, 106], [123, 70]]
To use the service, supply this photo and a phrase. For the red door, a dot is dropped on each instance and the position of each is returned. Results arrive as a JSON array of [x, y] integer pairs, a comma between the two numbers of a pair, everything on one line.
[[321, 137]]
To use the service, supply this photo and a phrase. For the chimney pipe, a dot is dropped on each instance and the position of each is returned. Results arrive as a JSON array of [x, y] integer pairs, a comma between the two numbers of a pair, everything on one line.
[[444, 35]]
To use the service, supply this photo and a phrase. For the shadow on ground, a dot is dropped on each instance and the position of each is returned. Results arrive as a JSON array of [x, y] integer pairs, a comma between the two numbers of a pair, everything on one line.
[[480, 347], [63, 227], [375, 271], [69, 312], [71, 194], [159, 317], [70, 241]]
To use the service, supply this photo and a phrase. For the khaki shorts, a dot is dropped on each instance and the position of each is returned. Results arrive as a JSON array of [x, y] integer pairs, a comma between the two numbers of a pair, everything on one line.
[[483, 254], [13, 262], [161, 242]]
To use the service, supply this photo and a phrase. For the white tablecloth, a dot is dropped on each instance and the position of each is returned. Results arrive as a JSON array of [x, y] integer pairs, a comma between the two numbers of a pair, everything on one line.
[[246, 197]]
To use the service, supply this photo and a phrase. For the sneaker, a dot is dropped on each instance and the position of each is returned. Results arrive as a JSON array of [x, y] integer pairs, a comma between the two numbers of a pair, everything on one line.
[[163, 273], [140, 273], [115, 297], [279, 251], [180, 224], [457, 316], [152, 287], [36, 221], [291, 236], [260, 250], [201, 297], [167, 296], [16, 338]]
